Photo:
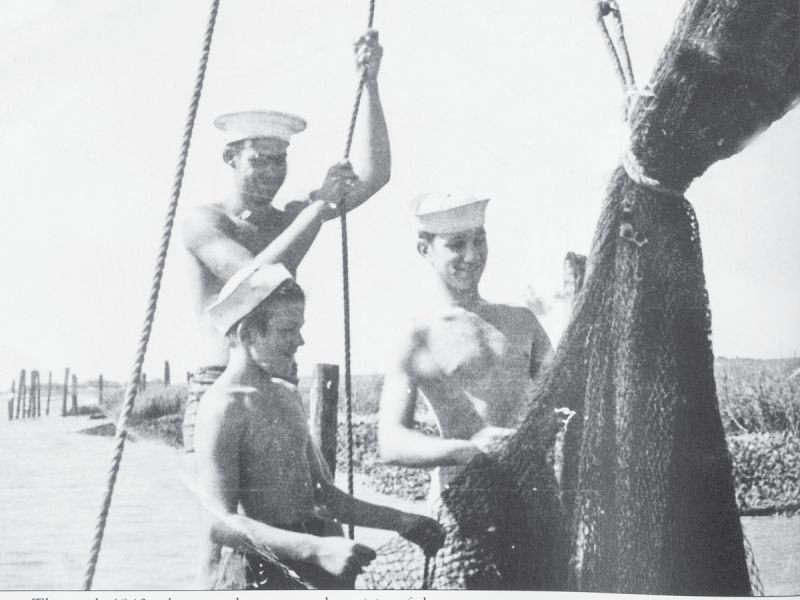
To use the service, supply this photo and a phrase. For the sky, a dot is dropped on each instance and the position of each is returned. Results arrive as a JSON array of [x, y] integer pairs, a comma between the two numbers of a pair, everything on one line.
[[515, 101]]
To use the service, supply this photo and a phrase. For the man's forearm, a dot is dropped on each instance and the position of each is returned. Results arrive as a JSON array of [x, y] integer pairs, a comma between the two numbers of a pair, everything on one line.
[[248, 535], [403, 446], [347, 509], [374, 159], [290, 247]]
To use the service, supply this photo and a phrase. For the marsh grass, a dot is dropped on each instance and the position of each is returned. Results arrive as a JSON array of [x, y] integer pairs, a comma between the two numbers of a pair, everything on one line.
[[759, 405]]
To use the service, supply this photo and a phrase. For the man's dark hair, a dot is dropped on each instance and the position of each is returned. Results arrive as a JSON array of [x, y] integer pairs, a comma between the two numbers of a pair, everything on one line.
[[231, 150]]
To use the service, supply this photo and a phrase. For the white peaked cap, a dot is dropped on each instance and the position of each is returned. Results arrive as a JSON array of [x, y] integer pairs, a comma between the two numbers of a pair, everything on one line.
[[448, 211], [243, 292], [251, 124]]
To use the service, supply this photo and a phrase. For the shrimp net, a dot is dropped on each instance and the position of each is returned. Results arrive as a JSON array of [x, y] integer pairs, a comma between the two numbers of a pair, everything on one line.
[[638, 495]]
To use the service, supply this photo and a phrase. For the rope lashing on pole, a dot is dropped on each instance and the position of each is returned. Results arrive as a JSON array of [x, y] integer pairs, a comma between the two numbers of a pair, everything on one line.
[[130, 392], [348, 387], [618, 49]]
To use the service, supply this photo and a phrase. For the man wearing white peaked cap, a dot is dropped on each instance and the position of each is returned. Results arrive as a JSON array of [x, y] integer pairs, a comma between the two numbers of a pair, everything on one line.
[[473, 361], [244, 227]]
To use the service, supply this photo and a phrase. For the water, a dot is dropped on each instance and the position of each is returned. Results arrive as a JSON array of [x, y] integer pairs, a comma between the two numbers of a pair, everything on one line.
[[53, 478], [53, 483]]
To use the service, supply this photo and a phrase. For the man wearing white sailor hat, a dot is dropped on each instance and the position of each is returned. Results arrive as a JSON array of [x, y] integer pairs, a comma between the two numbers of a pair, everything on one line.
[[474, 361], [254, 450], [244, 227]]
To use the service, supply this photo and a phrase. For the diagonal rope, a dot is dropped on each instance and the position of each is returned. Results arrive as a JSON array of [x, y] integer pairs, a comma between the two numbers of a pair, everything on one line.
[[130, 392], [348, 387]]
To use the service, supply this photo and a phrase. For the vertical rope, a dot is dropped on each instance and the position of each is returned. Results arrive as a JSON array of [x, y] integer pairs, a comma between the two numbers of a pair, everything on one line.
[[348, 391], [130, 392]]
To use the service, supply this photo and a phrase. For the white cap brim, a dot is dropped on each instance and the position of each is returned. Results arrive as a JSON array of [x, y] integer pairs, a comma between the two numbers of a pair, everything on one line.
[[448, 212], [252, 124], [243, 292]]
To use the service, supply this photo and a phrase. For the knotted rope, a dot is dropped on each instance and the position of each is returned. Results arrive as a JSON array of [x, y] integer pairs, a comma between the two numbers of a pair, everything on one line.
[[130, 392], [348, 388], [618, 49]]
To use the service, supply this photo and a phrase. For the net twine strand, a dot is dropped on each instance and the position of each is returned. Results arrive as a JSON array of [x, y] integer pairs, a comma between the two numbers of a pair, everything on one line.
[[130, 392]]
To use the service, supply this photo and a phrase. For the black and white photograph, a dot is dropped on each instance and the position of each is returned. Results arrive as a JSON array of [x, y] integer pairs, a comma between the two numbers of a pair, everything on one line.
[[431, 295]]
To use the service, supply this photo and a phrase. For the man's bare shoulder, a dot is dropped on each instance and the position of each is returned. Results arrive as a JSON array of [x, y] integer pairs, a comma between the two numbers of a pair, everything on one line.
[[407, 340], [225, 402], [202, 222]]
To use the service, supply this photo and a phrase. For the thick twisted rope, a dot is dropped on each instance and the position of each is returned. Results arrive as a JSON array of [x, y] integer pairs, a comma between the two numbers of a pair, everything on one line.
[[130, 392], [618, 48], [348, 387]]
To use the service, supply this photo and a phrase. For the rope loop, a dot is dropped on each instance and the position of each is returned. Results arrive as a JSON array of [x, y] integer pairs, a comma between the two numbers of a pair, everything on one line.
[[636, 172]]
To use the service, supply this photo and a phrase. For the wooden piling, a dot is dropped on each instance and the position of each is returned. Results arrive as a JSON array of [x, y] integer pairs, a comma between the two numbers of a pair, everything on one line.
[[49, 390], [74, 409], [20, 393], [324, 410], [34, 409], [27, 397], [166, 372], [100, 389], [66, 391]]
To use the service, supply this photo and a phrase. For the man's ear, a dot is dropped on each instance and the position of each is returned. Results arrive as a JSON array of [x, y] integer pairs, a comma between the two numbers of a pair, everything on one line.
[[229, 155], [243, 334], [422, 247]]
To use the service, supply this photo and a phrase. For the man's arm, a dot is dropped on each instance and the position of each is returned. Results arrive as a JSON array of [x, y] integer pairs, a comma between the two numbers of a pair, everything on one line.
[[333, 503], [208, 235], [398, 442], [372, 149]]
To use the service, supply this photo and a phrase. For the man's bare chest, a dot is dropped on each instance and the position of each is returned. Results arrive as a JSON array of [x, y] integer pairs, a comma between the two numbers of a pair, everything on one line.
[[256, 237], [277, 429]]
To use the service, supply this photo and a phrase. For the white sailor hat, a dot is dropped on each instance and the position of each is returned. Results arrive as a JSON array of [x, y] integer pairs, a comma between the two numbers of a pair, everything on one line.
[[448, 211], [259, 124], [243, 292]]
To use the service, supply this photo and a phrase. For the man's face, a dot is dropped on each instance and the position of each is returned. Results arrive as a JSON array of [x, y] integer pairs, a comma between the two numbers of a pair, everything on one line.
[[273, 349], [260, 167], [457, 258]]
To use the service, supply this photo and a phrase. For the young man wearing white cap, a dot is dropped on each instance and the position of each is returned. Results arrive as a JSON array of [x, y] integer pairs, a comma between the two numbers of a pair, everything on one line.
[[254, 451], [473, 360], [245, 227]]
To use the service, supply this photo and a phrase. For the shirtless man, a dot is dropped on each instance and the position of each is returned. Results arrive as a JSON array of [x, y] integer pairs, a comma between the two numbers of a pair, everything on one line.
[[473, 361], [254, 451], [245, 227]]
